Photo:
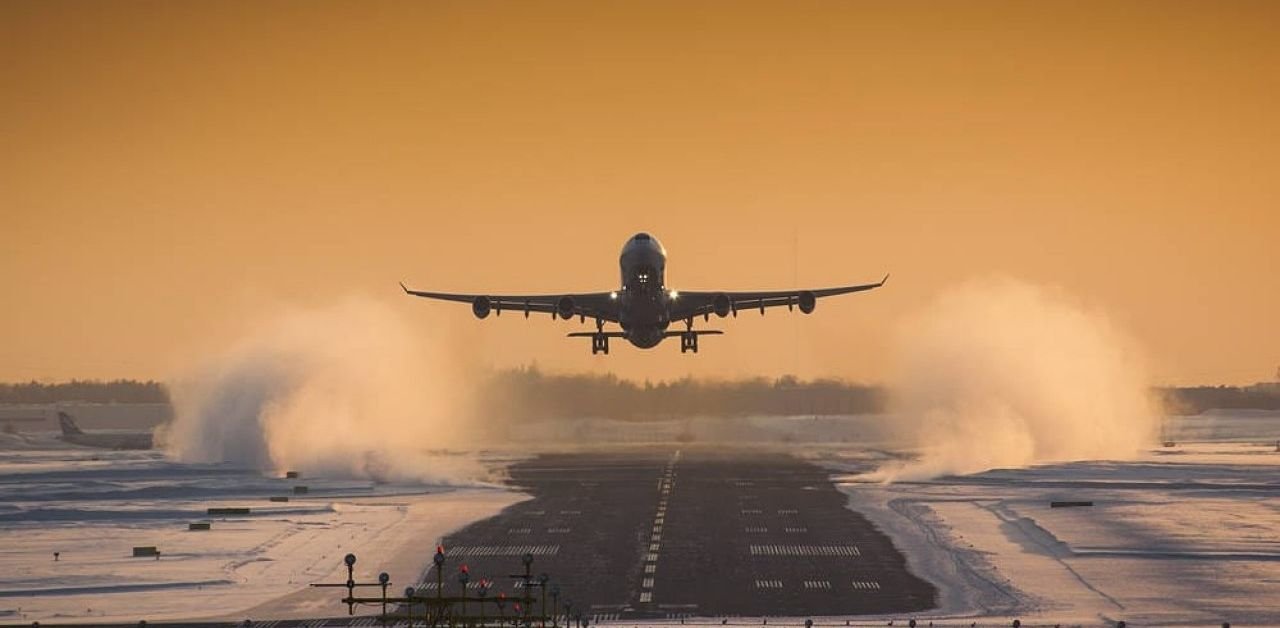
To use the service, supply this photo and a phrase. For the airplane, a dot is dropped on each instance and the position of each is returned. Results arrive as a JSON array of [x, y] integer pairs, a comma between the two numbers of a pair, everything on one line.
[[72, 433], [644, 307]]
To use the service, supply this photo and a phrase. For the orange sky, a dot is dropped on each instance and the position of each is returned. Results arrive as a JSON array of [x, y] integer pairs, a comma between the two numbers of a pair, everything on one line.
[[169, 170]]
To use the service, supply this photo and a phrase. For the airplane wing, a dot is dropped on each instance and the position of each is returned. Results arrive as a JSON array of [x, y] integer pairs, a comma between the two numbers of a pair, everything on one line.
[[602, 305], [691, 304]]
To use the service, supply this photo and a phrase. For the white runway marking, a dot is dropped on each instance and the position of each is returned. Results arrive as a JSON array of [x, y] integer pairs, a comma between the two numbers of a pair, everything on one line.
[[866, 585], [519, 530], [805, 550], [817, 584], [795, 530], [570, 512], [557, 530], [756, 530], [647, 583], [646, 597], [650, 568], [502, 550], [768, 584], [653, 547], [752, 511], [788, 511]]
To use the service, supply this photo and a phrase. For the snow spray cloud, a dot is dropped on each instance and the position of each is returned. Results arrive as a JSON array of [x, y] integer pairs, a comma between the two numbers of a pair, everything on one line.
[[999, 373], [349, 390]]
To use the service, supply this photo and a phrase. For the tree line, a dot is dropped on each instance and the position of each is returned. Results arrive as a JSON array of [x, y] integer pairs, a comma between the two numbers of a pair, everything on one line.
[[85, 390]]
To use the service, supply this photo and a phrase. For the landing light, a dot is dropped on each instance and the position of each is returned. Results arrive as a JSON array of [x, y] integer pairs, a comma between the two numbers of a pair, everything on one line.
[[613, 295], [675, 294]]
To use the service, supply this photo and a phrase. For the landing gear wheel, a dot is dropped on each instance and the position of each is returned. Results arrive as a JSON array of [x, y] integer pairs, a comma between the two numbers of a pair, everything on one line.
[[688, 342], [599, 344]]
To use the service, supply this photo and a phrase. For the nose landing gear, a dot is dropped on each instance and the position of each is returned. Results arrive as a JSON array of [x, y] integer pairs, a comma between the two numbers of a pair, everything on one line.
[[688, 342], [599, 344]]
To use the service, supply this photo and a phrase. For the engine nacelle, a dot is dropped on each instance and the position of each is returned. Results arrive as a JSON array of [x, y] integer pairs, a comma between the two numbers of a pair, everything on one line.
[[721, 305], [807, 302], [565, 307], [481, 306]]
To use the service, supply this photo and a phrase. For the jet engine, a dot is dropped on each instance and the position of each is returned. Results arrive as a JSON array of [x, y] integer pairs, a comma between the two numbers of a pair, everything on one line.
[[480, 307], [721, 305], [564, 307], [807, 302]]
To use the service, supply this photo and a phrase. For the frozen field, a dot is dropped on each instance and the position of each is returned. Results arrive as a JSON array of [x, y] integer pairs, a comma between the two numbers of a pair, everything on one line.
[[1189, 534], [94, 506]]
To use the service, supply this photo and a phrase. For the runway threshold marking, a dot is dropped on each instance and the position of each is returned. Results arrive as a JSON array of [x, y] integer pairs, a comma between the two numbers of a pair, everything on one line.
[[768, 584], [806, 550], [866, 585], [502, 550], [817, 584]]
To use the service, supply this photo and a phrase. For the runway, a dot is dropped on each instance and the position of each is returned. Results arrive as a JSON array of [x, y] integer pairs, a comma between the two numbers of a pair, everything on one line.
[[671, 534]]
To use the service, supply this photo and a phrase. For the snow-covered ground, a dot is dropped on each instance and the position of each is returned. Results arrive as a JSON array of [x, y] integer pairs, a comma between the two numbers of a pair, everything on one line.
[[94, 506], [1188, 534]]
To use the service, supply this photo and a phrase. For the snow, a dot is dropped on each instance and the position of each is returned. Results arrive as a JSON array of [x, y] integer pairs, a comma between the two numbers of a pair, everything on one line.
[[94, 506], [1184, 535]]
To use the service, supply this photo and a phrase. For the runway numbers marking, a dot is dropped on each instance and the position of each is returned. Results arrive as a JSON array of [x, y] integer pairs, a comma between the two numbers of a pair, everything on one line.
[[817, 584], [502, 550], [755, 530], [866, 585], [805, 550], [796, 530], [768, 584]]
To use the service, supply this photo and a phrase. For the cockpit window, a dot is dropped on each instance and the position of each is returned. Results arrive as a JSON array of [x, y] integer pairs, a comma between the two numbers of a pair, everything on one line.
[[643, 237]]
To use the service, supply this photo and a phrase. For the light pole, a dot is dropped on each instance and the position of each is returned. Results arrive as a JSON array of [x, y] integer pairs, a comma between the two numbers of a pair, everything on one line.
[[542, 605], [483, 592], [408, 604], [464, 576], [555, 605], [439, 560], [384, 579]]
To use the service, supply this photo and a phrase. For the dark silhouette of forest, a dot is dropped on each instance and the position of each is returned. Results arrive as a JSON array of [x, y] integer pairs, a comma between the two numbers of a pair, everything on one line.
[[529, 393], [87, 391]]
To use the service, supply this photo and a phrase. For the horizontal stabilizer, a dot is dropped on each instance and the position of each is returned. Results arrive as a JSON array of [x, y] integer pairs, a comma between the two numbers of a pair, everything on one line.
[[696, 332], [591, 334]]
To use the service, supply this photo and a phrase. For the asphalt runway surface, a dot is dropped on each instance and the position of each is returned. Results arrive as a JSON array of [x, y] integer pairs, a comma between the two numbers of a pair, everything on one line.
[[670, 534]]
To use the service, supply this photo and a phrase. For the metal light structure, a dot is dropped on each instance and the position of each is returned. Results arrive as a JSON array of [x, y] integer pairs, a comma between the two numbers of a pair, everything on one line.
[[555, 605], [408, 605], [542, 606], [384, 579], [464, 577], [439, 561]]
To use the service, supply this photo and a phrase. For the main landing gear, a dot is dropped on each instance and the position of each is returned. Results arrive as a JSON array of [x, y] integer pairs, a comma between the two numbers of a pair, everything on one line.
[[599, 344], [688, 340]]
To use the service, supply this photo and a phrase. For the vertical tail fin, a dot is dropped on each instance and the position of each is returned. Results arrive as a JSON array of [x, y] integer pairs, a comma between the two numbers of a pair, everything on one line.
[[68, 425]]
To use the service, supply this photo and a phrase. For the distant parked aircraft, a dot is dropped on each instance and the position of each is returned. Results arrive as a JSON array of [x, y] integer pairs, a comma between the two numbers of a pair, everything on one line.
[[644, 306], [72, 433]]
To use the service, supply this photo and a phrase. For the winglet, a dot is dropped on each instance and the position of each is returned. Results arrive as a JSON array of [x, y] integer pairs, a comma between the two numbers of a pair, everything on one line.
[[886, 278], [406, 290]]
